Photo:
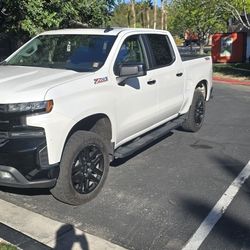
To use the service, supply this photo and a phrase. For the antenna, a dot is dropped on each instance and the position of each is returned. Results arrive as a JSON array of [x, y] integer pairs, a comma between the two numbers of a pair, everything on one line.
[[108, 28]]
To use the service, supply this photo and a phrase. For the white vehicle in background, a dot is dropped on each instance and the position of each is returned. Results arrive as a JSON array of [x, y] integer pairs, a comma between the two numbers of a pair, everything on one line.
[[73, 100]]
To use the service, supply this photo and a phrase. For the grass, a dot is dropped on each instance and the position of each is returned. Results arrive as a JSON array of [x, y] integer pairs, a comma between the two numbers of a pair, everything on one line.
[[242, 66], [6, 246], [240, 71]]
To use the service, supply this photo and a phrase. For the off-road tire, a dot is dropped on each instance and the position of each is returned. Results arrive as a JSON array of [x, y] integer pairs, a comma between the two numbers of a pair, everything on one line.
[[196, 113], [67, 189]]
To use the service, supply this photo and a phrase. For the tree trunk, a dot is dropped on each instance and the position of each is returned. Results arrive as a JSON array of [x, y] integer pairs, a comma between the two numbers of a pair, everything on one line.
[[142, 18], [203, 39], [133, 12], [166, 19], [155, 13], [148, 17], [129, 18], [202, 45], [163, 15]]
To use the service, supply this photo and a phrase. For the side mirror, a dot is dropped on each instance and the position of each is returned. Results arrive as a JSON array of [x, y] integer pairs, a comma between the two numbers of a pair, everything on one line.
[[130, 71]]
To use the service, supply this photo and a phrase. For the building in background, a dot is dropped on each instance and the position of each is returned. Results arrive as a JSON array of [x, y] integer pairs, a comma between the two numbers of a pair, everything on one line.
[[236, 26], [229, 47], [234, 46]]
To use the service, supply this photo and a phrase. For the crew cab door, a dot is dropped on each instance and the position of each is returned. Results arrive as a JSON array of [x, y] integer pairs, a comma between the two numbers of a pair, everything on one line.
[[136, 106], [166, 70]]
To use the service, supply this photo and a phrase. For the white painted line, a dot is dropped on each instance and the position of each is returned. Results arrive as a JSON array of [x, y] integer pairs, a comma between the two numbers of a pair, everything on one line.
[[218, 210]]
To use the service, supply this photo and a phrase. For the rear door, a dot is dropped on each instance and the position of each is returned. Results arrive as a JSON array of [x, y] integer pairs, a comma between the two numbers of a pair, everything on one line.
[[166, 71]]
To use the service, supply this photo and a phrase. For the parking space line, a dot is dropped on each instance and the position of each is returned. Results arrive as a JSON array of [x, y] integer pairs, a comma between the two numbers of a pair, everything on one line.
[[218, 210]]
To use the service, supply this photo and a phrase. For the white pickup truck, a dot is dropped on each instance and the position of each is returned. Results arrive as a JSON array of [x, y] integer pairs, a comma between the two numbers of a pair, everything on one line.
[[73, 100]]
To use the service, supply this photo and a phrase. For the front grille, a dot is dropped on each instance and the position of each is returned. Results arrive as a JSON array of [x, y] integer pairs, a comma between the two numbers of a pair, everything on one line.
[[4, 125], [8, 123], [2, 141], [3, 135], [2, 108]]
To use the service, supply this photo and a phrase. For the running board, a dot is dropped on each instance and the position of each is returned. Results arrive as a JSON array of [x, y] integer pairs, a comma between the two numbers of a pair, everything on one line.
[[141, 142]]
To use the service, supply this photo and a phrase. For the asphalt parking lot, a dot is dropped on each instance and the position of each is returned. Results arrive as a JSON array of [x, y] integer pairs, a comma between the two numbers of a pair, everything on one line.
[[159, 197]]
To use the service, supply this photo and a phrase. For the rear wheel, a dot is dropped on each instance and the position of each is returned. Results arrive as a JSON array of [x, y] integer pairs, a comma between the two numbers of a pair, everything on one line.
[[196, 113], [83, 168]]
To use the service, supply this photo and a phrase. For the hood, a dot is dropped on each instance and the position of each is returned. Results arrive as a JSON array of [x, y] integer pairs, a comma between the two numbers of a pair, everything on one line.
[[27, 84]]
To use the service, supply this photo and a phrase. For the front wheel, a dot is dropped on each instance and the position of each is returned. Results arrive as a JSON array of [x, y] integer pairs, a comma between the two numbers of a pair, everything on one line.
[[83, 169], [196, 113]]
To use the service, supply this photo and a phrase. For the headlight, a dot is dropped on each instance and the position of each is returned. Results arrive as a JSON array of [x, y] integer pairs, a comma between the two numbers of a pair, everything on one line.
[[27, 107]]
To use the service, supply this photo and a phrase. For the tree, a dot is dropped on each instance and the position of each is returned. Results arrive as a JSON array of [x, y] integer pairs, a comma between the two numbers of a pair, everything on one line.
[[155, 14], [201, 17], [132, 2], [25, 18], [147, 9], [121, 15], [163, 14], [239, 9]]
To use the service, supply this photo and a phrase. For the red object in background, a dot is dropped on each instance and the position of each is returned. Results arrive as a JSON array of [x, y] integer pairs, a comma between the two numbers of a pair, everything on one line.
[[229, 47], [190, 36]]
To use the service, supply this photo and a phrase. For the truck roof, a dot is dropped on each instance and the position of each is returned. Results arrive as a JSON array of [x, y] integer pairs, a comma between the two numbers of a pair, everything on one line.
[[107, 31]]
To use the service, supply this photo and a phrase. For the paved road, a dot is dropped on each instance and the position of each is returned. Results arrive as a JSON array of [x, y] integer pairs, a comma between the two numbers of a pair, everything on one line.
[[160, 196]]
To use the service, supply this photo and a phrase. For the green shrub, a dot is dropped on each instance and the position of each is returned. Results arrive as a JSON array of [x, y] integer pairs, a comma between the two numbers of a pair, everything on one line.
[[6, 246]]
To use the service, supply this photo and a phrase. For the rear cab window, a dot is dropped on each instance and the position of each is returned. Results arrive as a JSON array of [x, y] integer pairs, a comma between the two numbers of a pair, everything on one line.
[[161, 50]]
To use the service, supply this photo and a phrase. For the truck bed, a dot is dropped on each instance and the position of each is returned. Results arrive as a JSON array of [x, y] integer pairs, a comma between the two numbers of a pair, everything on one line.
[[186, 57]]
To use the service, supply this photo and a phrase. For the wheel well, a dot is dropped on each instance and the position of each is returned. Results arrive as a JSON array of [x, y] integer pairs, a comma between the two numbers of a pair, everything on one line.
[[98, 123], [202, 86]]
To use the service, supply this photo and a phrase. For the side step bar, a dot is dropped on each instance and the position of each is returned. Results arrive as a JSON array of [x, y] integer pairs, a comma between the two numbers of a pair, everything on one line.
[[144, 140]]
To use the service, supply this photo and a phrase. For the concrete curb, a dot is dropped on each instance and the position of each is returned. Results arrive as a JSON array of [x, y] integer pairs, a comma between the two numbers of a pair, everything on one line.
[[230, 81], [52, 233]]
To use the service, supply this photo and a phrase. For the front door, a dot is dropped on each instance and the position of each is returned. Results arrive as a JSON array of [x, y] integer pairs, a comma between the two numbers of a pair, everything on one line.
[[136, 100]]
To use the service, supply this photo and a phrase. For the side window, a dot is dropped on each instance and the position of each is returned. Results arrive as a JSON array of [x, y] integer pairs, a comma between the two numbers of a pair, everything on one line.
[[161, 49], [130, 53]]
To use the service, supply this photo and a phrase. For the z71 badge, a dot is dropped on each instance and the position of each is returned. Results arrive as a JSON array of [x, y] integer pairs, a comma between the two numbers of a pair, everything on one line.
[[100, 80]]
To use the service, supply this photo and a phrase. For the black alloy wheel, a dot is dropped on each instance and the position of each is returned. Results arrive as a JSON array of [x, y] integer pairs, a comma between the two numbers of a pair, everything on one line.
[[196, 114], [83, 168], [199, 112], [87, 169]]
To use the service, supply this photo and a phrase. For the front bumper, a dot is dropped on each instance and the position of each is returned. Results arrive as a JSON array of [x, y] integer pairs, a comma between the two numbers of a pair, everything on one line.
[[24, 160], [17, 180]]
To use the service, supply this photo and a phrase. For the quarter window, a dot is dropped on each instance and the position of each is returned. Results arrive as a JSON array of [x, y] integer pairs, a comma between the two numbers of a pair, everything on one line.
[[162, 52]]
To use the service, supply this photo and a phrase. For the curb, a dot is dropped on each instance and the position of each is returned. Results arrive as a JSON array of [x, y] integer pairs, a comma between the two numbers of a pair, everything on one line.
[[230, 81], [51, 233], [19, 240]]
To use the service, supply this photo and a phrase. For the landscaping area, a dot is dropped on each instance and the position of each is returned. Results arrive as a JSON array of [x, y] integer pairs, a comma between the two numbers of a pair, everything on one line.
[[6, 246], [240, 71]]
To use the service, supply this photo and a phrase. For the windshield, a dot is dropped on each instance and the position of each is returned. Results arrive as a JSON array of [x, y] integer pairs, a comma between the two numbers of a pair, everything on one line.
[[74, 52]]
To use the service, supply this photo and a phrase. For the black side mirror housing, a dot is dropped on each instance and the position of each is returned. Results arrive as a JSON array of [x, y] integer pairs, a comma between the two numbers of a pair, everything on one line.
[[130, 71]]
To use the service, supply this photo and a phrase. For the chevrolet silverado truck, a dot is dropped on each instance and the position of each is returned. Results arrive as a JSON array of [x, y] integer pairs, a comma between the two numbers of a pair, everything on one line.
[[73, 100]]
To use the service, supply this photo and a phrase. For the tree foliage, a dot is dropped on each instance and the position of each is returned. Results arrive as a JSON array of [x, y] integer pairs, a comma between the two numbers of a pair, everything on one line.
[[238, 9], [201, 17], [144, 10], [33, 16]]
